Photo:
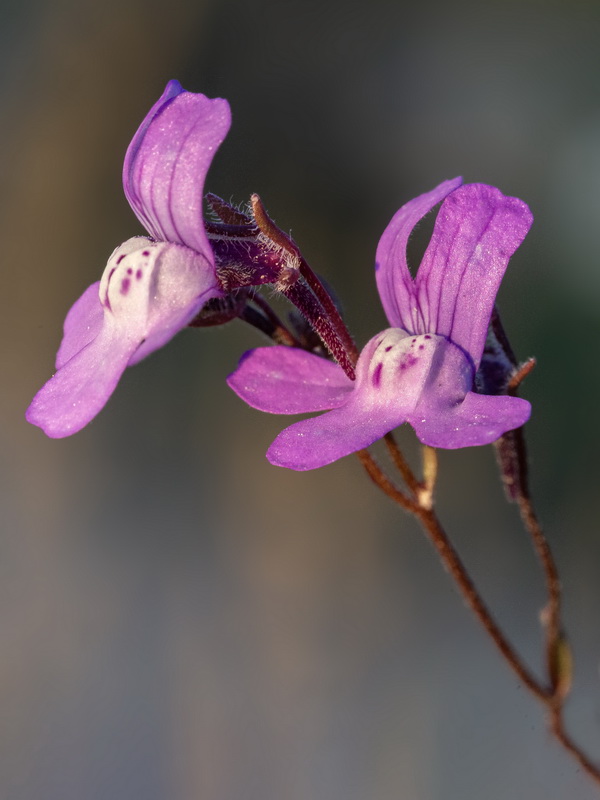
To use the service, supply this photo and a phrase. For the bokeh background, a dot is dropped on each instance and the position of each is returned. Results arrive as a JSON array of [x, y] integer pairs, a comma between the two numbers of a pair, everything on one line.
[[179, 619]]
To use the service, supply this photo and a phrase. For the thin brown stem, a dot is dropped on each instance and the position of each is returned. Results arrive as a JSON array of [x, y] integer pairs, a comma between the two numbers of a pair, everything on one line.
[[557, 728], [552, 696], [274, 329], [512, 454], [402, 464], [552, 612], [453, 564], [380, 479], [281, 334]]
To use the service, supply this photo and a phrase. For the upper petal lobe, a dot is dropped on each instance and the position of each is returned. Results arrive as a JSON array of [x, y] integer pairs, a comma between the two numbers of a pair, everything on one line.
[[476, 232], [394, 281], [167, 162]]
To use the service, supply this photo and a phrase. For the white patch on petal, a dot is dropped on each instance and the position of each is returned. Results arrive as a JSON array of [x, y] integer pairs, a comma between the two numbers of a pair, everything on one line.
[[150, 290], [394, 367], [125, 284]]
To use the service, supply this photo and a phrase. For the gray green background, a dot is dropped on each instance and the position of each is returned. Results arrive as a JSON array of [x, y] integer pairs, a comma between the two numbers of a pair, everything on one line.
[[179, 619]]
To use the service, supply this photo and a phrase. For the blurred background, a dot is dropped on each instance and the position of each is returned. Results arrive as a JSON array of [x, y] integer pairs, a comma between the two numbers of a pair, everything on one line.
[[178, 618]]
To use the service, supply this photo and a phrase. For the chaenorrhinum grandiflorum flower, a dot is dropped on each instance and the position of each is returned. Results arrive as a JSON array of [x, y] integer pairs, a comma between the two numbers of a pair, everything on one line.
[[153, 287], [421, 370]]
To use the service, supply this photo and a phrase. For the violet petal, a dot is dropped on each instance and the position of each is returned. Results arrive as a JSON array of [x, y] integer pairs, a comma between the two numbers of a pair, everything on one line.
[[82, 324], [285, 380], [476, 232], [390, 375], [449, 415], [153, 289], [394, 281], [319, 441], [80, 389], [480, 419], [149, 292], [172, 284], [167, 161]]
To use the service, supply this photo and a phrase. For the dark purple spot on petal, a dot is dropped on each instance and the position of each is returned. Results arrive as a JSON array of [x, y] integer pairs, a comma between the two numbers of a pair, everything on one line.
[[129, 271], [125, 283], [377, 375], [111, 273], [146, 253], [408, 361], [421, 347], [427, 336], [138, 274], [120, 258], [413, 341], [388, 348]]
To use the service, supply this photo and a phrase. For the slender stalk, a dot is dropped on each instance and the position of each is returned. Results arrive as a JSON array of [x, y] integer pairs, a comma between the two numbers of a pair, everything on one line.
[[453, 564], [402, 464], [271, 326], [552, 612], [512, 449], [385, 484], [551, 696], [455, 567], [284, 335], [557, 728]]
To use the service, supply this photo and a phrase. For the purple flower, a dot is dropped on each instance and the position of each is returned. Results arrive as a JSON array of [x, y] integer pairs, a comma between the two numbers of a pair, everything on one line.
[[421, 370], [151, 287]]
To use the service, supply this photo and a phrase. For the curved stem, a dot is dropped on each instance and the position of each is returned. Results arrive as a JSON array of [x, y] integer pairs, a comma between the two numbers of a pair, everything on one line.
[[402, 464], [284, 335], [557, 728], [453, 564], [385, 484], [551, 617], [553, 696], [512, 457], [269, 324]]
